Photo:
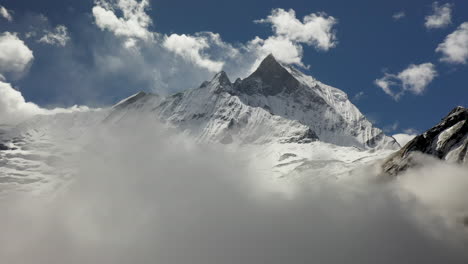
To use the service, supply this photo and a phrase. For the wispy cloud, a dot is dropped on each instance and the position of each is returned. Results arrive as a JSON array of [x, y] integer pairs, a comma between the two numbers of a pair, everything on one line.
[[58, 36], [358, 96], [5, 14], [413, 79], [399, 15]]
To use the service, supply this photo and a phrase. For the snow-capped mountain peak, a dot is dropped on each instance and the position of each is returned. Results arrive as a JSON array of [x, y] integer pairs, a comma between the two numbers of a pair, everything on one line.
[[270, 79], [275, 103]]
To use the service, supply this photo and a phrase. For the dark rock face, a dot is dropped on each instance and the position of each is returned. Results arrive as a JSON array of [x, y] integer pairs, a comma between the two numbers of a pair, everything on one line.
[[448, 140], [270, 78]]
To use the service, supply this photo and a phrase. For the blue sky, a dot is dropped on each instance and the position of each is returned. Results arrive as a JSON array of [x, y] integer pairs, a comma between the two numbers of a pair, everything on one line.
[[94, 67]]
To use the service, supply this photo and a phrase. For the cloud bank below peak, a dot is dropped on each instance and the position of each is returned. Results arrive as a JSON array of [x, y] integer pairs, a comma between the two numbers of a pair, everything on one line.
[[14, 108]]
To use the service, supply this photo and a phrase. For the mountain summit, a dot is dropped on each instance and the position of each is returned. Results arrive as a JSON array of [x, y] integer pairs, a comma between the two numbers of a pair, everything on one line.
[[275, 103], [270, 78]]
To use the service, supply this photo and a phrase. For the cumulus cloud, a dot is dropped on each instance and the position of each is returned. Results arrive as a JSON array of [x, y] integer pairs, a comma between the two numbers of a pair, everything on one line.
[[191, 48], [316, 29], [207, 50], [398, 15], [14, 108], [131, 26], [188, 203], [58, 36], [284, 50], [413, 79], [15, 56], [441, 16], [454, 49], [5, 13]]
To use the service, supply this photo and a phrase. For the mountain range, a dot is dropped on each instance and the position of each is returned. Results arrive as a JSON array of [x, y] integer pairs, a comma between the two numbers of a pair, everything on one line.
[[288, 121]]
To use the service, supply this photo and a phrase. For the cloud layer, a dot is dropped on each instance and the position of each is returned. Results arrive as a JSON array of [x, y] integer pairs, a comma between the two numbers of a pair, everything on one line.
[[187, 203]]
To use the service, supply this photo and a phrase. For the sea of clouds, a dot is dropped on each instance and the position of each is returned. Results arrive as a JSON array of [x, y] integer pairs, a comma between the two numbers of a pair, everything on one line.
[[143, 194]]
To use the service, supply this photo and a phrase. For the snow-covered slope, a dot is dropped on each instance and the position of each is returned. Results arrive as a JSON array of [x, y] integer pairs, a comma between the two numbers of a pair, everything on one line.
[[448, 141], [32, 153]]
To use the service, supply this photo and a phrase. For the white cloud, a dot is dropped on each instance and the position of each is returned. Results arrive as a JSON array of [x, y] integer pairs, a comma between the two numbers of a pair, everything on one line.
[[441, 16], [315, 30], [14, 108], [5, 13], [132, 26], [15, 56], [191, 48], [207, 50], [402, 138], [414, 79], [282, 48], [399, 15], [59, 36], [455, 46], [285, 44]]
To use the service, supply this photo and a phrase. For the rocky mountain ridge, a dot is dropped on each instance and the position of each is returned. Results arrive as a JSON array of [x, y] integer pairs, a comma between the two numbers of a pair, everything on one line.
[[447, 141]]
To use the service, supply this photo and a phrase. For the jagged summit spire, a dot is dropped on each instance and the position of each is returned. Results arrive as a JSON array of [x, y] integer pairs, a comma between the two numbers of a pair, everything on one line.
[[222, 78], [269, 78], [270, 63]]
